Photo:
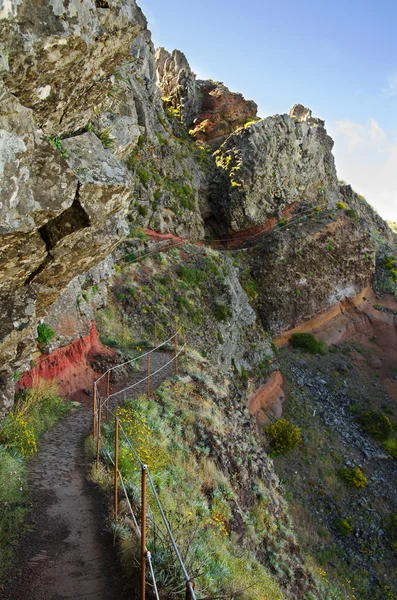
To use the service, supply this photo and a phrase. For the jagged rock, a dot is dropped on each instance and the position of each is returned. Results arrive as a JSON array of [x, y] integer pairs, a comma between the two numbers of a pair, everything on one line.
[[270, 165], [61, 55], [59, 63], [178, 84], [221, 113]]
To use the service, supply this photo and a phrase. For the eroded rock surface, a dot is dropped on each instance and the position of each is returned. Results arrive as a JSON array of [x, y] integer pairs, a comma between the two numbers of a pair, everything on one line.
[[272, 164]]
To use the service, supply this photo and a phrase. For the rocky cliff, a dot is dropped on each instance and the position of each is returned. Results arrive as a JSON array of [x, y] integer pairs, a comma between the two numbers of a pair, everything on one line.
[[108, 146], [91, 155]]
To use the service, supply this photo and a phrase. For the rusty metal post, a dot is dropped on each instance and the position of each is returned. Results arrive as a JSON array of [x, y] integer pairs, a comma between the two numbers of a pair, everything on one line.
[[148, 373], [155, 335], [116, 466], [143, 534], [184, 340], [98, 437], [94, 412], [107, 396], [189, 585], [176, 350]]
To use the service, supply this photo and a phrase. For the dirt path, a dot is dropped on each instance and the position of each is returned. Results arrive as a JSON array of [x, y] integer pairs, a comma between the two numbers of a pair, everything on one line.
[[69, 553]]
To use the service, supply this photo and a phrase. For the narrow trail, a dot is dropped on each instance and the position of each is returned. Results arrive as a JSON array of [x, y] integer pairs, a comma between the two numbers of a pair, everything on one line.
[[69, 553]]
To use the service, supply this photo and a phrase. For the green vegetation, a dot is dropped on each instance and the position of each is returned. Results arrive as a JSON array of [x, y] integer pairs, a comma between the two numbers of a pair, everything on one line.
[[107, 140], [344, 526], [36, 410], [143, 176], [390, 446], [353, 478], [283, 437], [56, 142], [307, 342], [376, 424], [196, 495], [221, 312], [391, 266], [341, 206], [44, 333], [351, 213]]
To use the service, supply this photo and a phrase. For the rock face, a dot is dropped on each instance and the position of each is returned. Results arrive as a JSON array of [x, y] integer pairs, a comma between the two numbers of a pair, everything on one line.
[[209, 107], [178, 84], [272, 164], [64, 197], [221, 113], [310, 268]]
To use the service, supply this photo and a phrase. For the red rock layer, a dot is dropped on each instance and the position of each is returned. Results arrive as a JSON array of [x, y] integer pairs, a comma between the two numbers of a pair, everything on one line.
[[69, 365]]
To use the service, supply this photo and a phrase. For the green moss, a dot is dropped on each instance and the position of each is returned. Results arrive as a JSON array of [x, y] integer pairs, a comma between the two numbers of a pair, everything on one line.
[[307, 342]]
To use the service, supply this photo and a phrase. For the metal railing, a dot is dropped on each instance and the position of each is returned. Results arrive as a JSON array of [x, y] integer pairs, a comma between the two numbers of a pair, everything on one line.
[[102, 403], [235, 242]]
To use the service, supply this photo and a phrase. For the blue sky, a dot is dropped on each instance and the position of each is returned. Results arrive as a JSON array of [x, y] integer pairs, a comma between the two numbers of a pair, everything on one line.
[[338, 58]]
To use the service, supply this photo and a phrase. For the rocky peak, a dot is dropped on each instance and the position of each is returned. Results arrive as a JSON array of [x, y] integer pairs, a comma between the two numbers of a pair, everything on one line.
[[302, 114], [222, 112], [208, 106], [178, 84]]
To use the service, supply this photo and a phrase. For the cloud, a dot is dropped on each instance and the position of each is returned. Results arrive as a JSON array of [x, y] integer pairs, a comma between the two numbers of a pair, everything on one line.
[[366, 157]]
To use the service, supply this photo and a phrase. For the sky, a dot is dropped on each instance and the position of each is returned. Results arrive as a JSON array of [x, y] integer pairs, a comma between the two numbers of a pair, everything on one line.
[[339, 58]]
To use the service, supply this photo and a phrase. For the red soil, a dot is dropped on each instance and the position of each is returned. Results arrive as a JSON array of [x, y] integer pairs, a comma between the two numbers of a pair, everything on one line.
[[268, 399], [69, 365]]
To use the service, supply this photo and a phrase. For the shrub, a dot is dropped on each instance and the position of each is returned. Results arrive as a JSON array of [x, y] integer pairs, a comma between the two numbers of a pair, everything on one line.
[[143, 176], [378, 306], [283, 437], [244, 374], [390, 446], [221, 312], [16, 433], [307, 342], [44, 333], [376, 424], [353, 478], [341, 206], [283, 222], [142, 210], [351, 213], [344, 526]]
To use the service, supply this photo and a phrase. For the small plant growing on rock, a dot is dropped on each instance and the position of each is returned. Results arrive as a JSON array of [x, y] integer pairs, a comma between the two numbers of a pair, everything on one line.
[[283, 437], [344, 526], [351, 213], [341, 206], [221, 312], [44, 333], [108, 141], [376, 424], [353, 478], [307, 342], [56, 142]]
